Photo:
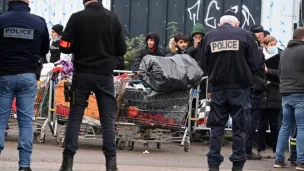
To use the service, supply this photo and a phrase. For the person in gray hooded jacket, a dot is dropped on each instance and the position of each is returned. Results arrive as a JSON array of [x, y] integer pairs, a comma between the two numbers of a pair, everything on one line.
[[291, 73]]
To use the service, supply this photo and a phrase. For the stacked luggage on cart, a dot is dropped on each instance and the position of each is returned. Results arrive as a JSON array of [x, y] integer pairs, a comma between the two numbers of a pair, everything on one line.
[[156, 102]]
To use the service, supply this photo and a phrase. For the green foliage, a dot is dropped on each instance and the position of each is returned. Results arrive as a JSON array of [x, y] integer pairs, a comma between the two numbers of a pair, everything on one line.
[[133, 45], [173, 26]]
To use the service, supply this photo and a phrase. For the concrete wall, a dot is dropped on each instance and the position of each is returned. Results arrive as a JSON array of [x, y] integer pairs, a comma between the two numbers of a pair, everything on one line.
[[279, 17], [143, 16], [58, 11]]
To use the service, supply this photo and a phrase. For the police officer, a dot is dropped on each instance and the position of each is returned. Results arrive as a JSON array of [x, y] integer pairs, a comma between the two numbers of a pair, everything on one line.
[[24, 38], [259, 82], [96, 38], [229, 62]]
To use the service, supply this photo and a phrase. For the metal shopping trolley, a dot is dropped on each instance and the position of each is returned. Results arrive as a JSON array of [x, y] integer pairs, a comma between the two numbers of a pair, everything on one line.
[[146, 116], [90, 127], [40, 109]]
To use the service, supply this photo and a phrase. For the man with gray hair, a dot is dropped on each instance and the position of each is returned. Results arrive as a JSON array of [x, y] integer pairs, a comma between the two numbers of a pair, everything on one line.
[[229, 62], [24, 38], [96, 38]]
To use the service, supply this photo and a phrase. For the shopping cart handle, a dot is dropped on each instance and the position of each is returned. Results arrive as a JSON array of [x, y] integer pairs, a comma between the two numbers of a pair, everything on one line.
[[196, 91], [136, 81]]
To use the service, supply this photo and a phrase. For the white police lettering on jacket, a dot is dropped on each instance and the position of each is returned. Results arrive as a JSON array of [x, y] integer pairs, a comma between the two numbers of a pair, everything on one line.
[[19, 33], [225, 45]]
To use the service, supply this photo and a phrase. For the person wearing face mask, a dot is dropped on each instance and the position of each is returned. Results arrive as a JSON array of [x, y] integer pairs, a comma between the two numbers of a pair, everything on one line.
[[229, 61], [270, 97]]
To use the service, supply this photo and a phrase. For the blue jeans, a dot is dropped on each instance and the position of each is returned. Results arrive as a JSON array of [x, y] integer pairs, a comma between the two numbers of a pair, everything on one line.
[[293, 112], [23, 86]]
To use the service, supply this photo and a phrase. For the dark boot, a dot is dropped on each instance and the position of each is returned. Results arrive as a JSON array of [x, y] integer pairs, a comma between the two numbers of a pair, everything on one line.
[[237, 166], [237, 169], [111, 164], [25, 169], [67, 163], [253, 156], [214, 168]]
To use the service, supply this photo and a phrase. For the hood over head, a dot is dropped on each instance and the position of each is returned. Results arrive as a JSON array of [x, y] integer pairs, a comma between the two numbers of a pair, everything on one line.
[[292, 43], [198, 28], [155, 36]]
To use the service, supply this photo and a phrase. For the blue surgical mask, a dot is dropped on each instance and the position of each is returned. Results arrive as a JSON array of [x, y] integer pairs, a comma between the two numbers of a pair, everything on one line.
[[273, 50]]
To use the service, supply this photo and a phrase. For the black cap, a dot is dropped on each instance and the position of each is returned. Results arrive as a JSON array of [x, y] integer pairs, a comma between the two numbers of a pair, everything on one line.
[[266, 33], [58, 29], [230, 12], [257, 29], [84, 1]]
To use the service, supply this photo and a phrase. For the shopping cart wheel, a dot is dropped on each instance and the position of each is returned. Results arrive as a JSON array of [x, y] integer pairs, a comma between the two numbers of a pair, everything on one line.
[[58, 139], [122, 144], [41, 138], [158, 145], [130, 145], [62, 143], [186, 146]]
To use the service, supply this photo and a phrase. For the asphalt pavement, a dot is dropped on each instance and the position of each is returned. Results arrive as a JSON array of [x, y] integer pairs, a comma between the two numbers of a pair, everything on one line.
[[170, 157]]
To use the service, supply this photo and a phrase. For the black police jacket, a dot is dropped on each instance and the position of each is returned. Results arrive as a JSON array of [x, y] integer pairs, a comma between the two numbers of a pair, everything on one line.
[[259, 77], [24, 38], [228, 58]]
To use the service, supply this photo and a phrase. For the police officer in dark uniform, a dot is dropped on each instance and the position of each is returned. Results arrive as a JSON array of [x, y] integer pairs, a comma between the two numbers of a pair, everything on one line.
[[259, 80], [229, 62], [96, 38], [24, 38]]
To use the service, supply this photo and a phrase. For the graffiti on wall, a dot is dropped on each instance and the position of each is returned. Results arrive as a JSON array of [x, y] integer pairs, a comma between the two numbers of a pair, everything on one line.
[[194, 11], [213, 8]]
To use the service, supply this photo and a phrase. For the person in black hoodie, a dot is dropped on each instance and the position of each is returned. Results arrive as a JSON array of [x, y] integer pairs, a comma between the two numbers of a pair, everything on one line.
[[55, 41], [259, 80], [96, 37], [198, 33], [152, 48], [270, 97]]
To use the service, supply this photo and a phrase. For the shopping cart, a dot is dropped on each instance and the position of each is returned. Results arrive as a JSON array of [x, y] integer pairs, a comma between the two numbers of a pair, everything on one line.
[[197, 121], [90, 127], [147, 116], [40, 109]]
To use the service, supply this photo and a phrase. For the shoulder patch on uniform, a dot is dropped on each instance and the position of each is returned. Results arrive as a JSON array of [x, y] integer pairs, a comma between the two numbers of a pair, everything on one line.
[[225, 45], [19, 33]]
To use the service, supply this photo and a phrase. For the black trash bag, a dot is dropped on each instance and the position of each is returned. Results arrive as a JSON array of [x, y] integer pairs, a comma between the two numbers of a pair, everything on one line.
[[179, 72]]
